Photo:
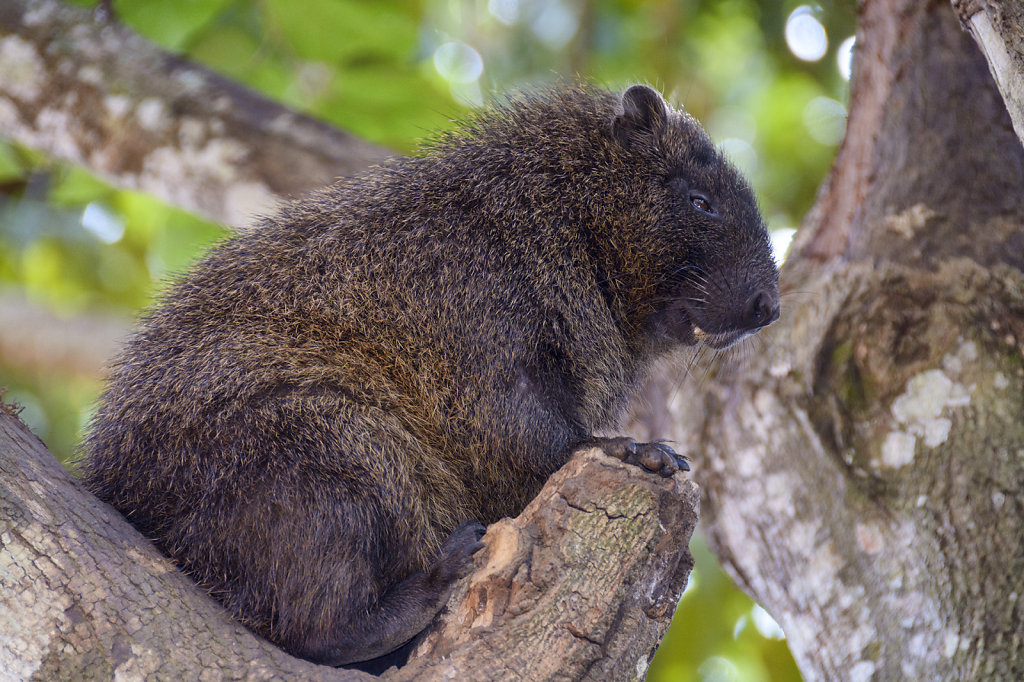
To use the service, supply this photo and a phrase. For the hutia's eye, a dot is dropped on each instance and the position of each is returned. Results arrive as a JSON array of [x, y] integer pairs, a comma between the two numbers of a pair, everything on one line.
[[701, 203]]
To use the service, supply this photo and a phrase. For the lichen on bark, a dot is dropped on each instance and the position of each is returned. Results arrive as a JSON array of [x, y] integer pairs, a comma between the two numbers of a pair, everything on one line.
[[863, 472]]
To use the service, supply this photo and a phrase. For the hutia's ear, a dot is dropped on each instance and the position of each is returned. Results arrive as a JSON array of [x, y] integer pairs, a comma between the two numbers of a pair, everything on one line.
[[643, 111]]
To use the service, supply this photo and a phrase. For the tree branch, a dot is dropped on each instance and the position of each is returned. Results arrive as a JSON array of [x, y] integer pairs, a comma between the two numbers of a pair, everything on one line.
[[33, 339], [96, 94], [581, 585], [584, 582], [998, 28]]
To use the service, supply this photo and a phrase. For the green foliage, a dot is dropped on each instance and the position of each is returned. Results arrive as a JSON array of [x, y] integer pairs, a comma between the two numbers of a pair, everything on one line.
[[171, 23], [342, 32], [393, 72], [718, 634], [10, 168]]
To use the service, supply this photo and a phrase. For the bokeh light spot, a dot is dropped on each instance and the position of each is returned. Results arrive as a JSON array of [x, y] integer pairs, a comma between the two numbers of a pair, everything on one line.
[[844, 58], [825, 119], [765, 624], [505, 11], [555, 24], [106, 226], [781, 240], [718, 669], [805, 35], [740, 153], [458, 62]]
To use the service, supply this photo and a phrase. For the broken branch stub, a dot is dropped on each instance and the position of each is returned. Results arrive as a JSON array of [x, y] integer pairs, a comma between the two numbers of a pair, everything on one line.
[[581, 585]]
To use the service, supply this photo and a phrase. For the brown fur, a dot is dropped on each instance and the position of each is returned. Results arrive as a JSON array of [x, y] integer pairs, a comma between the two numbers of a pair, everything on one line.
[[320, 403]]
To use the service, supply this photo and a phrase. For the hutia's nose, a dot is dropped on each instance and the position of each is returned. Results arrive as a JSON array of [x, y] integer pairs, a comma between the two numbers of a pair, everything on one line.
[[761, 310]]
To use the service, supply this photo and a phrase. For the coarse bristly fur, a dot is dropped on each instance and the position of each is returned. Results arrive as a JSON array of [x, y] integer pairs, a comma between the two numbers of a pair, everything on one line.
[[314, 419]]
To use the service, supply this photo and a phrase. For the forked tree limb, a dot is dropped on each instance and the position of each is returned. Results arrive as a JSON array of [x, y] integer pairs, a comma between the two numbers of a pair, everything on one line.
[[863, 470], [581, 585]]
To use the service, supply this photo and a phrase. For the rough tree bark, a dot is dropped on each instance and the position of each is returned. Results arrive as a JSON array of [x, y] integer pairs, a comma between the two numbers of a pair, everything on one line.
[[582, 585], [94, 93], [864, 474]]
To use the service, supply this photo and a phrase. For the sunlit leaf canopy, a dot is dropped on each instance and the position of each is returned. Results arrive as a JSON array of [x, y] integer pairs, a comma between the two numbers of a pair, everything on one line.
[[769, 81]]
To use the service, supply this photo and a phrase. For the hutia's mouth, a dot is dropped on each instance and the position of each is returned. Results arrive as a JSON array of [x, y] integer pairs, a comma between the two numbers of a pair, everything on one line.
[[720, 340]]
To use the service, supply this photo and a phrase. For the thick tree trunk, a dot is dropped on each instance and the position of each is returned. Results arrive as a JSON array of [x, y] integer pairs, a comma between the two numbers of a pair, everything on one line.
[[864, 474]]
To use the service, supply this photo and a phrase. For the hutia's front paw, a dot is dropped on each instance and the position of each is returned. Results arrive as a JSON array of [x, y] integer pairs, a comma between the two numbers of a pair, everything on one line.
[[455, 560], [656, 457]]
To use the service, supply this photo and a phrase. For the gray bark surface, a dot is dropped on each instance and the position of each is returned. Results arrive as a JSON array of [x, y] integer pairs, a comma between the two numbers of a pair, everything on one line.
[[90, 91], [581, 585], [863, 472], [36, 340]]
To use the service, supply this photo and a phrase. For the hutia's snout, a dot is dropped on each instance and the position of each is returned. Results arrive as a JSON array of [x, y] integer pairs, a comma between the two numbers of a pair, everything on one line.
[[722, 328], [760, 310]]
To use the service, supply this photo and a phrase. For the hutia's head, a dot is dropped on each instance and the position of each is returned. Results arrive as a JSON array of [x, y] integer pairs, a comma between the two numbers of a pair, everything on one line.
[[719, 282]]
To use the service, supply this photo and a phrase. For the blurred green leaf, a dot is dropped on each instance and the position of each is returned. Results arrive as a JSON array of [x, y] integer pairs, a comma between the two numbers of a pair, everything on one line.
[[230, 50], [344, 32], [74, 187], [183, 238], [10, 167], [52, 275], [170, 23], [388, 108]]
